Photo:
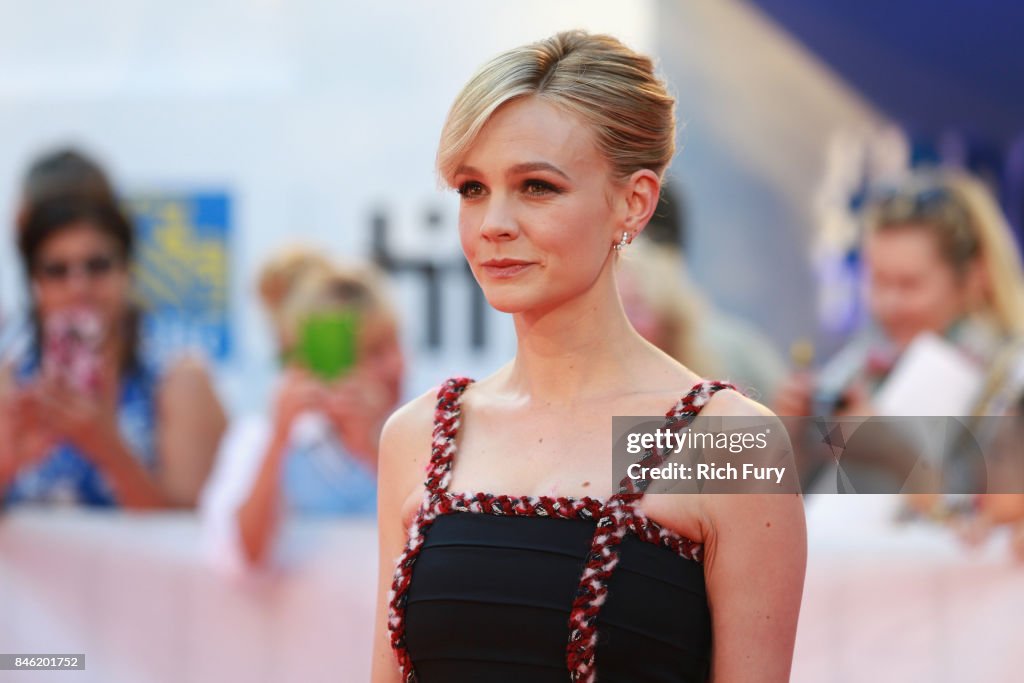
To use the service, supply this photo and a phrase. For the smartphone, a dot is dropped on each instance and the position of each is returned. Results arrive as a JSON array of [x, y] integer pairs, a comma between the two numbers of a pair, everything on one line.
[[72, 341], [327, 343]]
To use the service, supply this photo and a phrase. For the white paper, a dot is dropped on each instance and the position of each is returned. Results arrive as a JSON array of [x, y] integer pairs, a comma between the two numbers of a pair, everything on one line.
[[932, 378]]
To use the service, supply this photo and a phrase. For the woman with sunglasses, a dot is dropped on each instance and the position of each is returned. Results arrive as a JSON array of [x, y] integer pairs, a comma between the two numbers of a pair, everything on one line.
[[520, 555], [938, 257], [84, 419]]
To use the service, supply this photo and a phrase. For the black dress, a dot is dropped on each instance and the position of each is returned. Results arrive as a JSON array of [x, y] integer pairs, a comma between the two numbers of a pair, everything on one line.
[[546, 589]]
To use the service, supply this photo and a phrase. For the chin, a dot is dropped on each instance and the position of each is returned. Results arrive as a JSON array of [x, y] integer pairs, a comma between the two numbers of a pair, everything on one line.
[[515, 299], [523, 301], [507, 304]]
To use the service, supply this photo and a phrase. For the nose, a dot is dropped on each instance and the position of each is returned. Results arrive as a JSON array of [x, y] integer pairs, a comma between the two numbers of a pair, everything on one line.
[[79, 285], [499, 220]]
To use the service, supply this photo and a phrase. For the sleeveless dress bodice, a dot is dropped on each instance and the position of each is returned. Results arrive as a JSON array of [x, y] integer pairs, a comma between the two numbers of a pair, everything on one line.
[[546, 588]]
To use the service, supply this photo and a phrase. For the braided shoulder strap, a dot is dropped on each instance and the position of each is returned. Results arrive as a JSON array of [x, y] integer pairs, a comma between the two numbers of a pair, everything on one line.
[[442, 453], [679, 416], [447, 419], [617, 517]]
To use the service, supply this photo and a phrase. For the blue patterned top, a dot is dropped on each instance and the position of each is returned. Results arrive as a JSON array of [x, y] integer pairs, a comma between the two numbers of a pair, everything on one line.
[[324, 479], [66, 476]]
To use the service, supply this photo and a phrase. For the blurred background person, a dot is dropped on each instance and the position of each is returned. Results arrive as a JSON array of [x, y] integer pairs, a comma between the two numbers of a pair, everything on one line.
[[1005, 475], [938, 257], [316, 454], [64, 173], [669, 309], [83, 417]]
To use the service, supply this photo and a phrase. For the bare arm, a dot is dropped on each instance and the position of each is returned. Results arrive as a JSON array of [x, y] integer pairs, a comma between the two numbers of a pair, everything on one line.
[[190, 424], [259, 515], [404, 451], [8, 465], [186, 442], [754, 567], [755, 559], [48, 409], [133, 486]]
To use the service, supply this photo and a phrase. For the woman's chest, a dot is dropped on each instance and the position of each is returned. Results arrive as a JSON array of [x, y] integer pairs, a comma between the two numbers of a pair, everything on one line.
[[546, 456]]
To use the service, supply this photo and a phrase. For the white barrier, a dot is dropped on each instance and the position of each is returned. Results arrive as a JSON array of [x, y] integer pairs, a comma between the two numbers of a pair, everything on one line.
[[135, 595], [885, 602]]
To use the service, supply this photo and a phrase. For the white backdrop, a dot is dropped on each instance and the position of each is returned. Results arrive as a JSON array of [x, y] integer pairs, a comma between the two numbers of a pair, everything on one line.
[[313, 115]]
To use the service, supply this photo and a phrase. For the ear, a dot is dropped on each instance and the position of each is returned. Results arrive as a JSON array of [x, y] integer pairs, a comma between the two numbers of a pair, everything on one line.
[[641, 192]]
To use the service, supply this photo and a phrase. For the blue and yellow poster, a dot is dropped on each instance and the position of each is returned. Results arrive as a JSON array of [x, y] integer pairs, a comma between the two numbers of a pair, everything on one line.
[[182, 271]]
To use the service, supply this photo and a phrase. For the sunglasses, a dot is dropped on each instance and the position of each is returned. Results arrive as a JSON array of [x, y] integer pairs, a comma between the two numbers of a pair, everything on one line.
[[934, 205], [92, 267], [921, 203]]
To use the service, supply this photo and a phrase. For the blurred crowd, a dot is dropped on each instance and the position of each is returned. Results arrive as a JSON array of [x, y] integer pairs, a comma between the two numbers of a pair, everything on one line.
[[86, 418]]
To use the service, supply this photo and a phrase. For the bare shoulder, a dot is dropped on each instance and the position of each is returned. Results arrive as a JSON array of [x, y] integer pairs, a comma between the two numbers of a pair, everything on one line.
[[186, 388], [405, 444], [779, 516], [186, 378], [731, 403]]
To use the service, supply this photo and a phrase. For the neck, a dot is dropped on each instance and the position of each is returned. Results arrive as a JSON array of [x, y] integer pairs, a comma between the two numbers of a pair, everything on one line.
[[582, 348]]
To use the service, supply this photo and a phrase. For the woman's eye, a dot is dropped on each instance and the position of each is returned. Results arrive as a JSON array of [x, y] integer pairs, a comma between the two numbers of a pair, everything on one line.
[[538, 187], [470, 189]]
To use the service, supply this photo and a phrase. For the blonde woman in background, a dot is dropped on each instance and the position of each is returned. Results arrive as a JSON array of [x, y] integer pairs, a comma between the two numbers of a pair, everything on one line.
[[938, 257], [317, 453]]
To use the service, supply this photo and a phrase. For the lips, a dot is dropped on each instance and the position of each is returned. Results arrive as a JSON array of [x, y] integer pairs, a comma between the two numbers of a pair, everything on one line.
[[505, 267]]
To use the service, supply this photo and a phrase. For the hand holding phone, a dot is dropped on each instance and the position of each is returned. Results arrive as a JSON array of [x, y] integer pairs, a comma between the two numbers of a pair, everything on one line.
[[327, 344]]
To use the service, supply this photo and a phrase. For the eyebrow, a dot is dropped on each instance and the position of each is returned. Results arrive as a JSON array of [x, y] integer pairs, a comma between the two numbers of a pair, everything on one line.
[[518, 169]]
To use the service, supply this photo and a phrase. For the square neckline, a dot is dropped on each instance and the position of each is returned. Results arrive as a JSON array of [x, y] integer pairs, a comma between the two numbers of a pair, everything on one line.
[[456, 409]]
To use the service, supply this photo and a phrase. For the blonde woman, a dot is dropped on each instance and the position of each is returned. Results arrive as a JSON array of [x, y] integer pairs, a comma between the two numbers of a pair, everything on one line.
[[939, 257], [519, 558], [317, 454]]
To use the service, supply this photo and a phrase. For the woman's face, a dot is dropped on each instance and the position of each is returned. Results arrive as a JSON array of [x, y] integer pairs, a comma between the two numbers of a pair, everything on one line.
[[539, 209], [911, 288], [81, 267]]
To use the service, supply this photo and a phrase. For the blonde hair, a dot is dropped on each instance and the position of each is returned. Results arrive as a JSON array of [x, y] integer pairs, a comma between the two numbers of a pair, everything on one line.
[[969, 226], [595, 77], [301, 282]]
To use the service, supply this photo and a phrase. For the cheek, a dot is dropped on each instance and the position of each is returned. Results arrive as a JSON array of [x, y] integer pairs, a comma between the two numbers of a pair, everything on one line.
[[944, 297], [575, 242], [48, 297], [114, 291], [468, 236]]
